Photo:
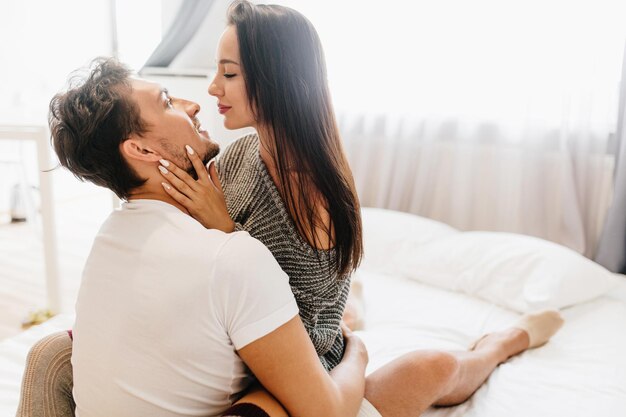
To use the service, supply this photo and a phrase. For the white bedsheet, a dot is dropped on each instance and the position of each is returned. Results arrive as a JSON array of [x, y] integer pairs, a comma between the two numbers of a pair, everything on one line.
[[581, 372]]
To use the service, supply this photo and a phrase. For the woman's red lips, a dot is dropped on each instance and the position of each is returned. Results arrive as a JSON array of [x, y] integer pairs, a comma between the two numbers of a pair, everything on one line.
[[222, 109]]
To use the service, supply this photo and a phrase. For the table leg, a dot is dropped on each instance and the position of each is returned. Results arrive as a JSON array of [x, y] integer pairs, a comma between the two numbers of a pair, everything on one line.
[[48, 226]]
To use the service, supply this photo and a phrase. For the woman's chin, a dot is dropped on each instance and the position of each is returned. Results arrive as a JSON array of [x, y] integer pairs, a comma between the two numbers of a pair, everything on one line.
[[230, 125]]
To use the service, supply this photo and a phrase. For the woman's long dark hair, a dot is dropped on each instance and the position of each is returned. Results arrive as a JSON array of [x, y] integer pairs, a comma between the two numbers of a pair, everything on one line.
[[285, 72]]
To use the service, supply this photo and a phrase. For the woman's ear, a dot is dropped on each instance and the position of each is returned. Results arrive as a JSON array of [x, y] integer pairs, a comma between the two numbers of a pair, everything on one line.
[[138, 150]]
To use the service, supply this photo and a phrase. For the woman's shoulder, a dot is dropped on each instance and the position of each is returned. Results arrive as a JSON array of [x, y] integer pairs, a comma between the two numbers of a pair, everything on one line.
[[238, 154], [240, 148]]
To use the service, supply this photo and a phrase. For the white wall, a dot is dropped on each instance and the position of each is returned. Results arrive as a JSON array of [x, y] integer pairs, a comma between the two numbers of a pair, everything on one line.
[[42, 42]]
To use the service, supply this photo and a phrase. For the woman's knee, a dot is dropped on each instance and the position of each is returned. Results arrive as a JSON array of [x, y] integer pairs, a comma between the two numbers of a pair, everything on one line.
[[443, 368], [411, 383]]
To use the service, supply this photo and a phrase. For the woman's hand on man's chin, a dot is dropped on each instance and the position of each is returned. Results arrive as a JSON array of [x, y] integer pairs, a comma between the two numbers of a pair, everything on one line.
[[202, 198]]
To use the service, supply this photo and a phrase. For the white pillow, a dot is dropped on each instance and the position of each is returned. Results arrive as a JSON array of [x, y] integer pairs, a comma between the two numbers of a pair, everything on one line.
[[387, 233], [518, 272]]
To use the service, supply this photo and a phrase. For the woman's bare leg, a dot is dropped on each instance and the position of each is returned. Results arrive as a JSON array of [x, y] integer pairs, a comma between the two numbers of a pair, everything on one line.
[[412, 383], [407, 386], [476, 365]]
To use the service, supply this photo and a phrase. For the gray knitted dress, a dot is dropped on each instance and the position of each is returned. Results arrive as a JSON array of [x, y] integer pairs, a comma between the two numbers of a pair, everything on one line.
[[255, 205]]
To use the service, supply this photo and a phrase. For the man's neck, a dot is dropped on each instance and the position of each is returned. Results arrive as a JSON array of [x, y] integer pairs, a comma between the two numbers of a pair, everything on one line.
[[147, 193]]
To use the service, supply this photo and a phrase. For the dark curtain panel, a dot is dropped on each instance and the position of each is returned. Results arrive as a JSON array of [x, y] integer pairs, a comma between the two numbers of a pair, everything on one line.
[[189, 18], [612, 247]]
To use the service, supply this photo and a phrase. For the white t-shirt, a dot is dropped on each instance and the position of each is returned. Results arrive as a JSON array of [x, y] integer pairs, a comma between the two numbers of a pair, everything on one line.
[[163, 306]]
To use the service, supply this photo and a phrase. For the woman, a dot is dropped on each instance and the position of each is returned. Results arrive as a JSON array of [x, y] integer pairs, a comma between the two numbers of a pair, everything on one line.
[[290, 186]]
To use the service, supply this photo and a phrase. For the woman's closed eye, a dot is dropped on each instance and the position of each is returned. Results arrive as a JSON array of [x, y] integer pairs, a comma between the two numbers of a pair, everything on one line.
[[229, 75]]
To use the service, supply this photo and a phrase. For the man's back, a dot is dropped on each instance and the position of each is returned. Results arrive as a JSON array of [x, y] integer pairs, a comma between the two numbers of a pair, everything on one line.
[[163, 307]]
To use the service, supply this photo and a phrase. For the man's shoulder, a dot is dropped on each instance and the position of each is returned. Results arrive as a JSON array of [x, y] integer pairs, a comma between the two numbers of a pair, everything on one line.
[[243, 247], [155, 226], [243, 256]]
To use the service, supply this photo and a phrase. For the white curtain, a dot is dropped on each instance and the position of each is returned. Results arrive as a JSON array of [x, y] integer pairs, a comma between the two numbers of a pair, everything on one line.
[[471, 179], [487, 115], [612, 247]]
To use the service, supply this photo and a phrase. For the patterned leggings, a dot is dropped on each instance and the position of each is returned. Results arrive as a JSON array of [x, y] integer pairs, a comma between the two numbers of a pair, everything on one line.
[[47, 382]]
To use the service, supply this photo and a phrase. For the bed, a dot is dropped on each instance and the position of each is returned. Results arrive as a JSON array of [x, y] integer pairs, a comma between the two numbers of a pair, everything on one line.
[[429, 286]]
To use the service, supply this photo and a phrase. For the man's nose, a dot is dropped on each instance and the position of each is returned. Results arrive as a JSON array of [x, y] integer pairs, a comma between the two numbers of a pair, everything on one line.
[[192, 108]]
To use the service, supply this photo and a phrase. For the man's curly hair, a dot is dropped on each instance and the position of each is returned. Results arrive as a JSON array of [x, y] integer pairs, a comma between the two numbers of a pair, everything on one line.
[[90, 120]]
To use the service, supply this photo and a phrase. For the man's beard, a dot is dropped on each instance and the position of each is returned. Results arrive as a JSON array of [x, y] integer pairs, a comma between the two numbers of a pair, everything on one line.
[[180, 158]]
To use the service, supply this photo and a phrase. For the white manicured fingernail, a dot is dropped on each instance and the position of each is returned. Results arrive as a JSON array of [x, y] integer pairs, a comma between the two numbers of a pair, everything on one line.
[[163, 169], [164, 162], [166, 186], [189, 150]]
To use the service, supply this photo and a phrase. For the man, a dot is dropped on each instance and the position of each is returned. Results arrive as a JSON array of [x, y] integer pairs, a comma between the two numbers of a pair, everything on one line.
[[171, 317]]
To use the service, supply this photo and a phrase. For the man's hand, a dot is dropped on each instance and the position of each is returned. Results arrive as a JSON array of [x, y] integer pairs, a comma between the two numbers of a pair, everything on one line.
[[203, 198]]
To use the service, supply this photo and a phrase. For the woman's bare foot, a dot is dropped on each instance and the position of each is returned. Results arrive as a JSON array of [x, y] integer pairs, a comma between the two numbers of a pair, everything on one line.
[[354, 312]]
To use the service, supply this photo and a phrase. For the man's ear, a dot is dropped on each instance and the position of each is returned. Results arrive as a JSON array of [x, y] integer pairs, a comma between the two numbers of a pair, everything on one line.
[[137, 149]]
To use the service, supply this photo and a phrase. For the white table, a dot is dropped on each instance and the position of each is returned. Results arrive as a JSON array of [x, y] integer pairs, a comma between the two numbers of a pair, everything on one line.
[[39, 134]]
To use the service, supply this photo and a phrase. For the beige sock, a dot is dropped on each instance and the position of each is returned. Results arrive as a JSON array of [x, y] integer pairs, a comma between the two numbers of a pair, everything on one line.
[[540, 326]]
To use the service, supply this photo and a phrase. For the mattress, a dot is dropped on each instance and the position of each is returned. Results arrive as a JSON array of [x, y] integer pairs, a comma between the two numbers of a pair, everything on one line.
[[580, 372]]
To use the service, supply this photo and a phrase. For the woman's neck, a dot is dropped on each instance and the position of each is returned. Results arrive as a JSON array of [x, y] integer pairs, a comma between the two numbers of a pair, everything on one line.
[[267, 147]]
